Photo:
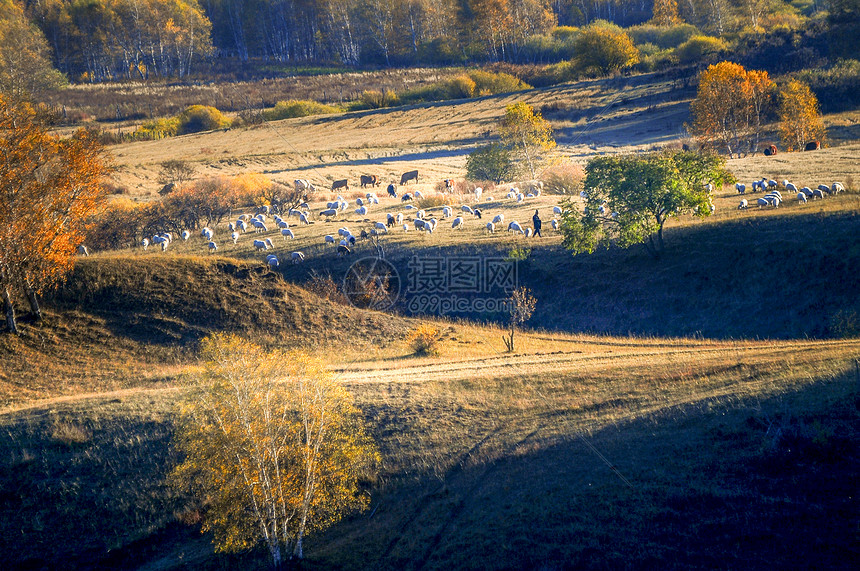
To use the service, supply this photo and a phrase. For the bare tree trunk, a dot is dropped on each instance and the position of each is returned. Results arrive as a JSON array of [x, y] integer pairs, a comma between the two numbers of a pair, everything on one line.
[[34, 301], [10, 311]]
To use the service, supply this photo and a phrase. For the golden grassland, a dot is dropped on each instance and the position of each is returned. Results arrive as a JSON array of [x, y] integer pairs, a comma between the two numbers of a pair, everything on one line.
[[721, 431]]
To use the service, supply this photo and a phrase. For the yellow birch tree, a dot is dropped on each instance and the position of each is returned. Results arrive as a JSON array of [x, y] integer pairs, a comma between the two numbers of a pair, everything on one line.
[[799, 118], [274, 445]]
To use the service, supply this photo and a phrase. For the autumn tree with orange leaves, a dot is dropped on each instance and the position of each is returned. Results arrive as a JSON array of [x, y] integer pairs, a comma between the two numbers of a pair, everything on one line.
[[730, 106], [799, 118], [49, 188], [273, 444]]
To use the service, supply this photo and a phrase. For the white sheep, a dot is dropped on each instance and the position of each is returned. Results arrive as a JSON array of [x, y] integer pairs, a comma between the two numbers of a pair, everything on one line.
[[498, 218], [283, 224], [235, 237], [478, 192], [361, 211], [420, 214], [554, 224], [801, 197], [789, 186], [207, 233], [583, 195], [514, 226], [260, 245], [82, 250], [144, 244], [359, 201], [164, 244], [399, 218], [741, 188], [520, 197], [457, 224], [240, 224], [272, 260], [556, 210], [406, 227], [186, 235], [268, 242], [380, 226], [491, 228], [303, 218], [329, 212], [287, 233], [418, 194], [329, 239], [297, 257], [213, 247], [419, 224], [743, 205], [467, 208], [432, 224], [817, 194], [837, 187], [762, 202], [447, 212]]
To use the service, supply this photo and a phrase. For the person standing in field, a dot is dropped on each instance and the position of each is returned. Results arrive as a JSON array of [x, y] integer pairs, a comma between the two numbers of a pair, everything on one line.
[[537, 223]]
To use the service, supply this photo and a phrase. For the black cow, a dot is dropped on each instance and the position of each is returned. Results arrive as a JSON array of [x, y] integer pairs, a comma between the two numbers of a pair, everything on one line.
[[407, 176]]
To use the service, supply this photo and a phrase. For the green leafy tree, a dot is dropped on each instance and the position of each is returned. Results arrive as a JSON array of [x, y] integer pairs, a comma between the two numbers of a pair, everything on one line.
[[526, 133], [604, 48], [273, 444], [630, 198], [492, 162]]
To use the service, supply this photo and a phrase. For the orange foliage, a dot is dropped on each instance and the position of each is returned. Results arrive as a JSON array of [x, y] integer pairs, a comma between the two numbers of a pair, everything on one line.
[[799, 119], [49, 189], [729, 106]]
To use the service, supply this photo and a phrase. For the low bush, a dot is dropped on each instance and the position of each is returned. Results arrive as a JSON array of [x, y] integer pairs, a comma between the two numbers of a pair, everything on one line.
[[199, 118], [294, 108], [424, 340], [700, 49]]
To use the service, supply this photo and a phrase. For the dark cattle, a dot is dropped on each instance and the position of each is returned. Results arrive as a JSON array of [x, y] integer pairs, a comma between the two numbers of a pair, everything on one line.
[[340, 184], [770, 150], [392, 192], [812, 146], [343, 250], [390, 221], [368, 179], [407, 176]]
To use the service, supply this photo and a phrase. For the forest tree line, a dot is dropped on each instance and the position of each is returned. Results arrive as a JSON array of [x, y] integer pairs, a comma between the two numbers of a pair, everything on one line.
[[98, 40]]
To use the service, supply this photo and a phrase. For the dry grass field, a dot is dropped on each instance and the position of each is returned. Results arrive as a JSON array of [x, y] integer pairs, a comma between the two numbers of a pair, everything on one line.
[[699, 412]]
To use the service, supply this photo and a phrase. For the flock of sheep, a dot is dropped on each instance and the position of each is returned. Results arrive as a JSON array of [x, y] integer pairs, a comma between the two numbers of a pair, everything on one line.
[[411, 217], [773, 196]]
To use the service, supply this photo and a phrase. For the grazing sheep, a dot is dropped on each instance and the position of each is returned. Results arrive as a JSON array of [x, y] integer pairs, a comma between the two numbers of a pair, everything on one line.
[[491, 228], [297, 257], [741, 188], [432, 224], [477, 212], [836, 188], [419, 224], [583, 195], [342, 205], [359, 201], [447, 212], [343, 250], [259, 227], [817, 194], [329, 239], [467, 208], [801, 197], [164, 244], [392, 191], [389, 220], [457, 224], [186, 235], [361, 211], [235, 237], [240, 224], [82, 250], [144, 243], [260, 245], [528, 232], [520, 197], [287, 233], [420, 214], [807, 191], [514, 226], [406, 227], [556, 210], [329, 213], [399, 218], [213, 247], [743, 205], [762, 202], [498, 218], [207, 233], [478, 192], [272, 260], [418, 194], [283, 224], [303, 218], [268, 242], [789, 186], [554, 224], [381, 226]]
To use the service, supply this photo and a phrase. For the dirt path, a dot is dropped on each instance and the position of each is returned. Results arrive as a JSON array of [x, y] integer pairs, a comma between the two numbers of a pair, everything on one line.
[[574, 362]]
